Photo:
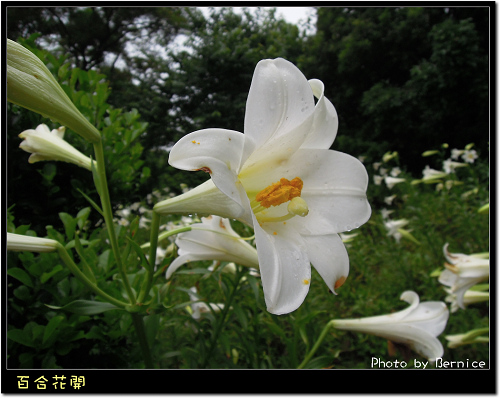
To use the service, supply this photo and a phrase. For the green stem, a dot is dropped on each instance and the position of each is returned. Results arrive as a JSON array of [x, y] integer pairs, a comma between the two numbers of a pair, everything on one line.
[[81, 276], [218, 329], [108, 217], [143, 342], [165, 235], [153, 244], [316, 345]]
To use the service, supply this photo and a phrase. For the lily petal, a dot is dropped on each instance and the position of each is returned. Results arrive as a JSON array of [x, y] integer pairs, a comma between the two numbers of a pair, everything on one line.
[[218, 152], [284, 267], [329, 257], [204, 199], [279, 99], [326, 122]]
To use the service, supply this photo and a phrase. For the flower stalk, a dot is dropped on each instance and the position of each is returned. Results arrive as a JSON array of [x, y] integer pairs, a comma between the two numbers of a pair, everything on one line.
[[108, 216], [83, 278], [316, 345]]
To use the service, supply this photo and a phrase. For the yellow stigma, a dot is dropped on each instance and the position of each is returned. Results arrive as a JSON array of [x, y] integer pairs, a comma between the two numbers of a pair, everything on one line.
[[298, 207], [280, 192]]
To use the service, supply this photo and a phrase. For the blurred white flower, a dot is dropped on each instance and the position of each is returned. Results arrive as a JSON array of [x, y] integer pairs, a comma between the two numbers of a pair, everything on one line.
[[469, 156], [386, 213], [431, 174], [395, 171], [389, 199], [456, 153], [449, 166], [199, 308], [377, 180], [469, 297], [391, 181], [395, 228], [418, 326]]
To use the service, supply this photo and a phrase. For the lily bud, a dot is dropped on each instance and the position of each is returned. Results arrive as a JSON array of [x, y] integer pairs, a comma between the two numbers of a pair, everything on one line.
[[16, 242], [31, 85]]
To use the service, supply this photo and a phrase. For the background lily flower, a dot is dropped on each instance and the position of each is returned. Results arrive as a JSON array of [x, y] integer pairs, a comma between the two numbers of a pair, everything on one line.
[[470, 297], [394, 228], [213, 239], [462, 272], [280, 178], [417, 326], [17, 242], [198, 308], [44, 144], [391, 181], [31, 85]]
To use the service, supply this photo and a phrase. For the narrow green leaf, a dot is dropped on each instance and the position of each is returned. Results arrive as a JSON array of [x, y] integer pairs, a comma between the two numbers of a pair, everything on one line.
[[87, 270], [94, 204], [140, 253], [86, 307], [95, 175]]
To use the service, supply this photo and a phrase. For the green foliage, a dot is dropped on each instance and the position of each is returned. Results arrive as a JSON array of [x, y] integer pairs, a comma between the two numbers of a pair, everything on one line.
[[57, 186], [403, 78]]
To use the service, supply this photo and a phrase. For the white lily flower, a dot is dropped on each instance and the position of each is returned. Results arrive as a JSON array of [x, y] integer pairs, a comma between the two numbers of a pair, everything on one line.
[[469, 297], [462, 272], [389, 199], [213, 239], [449, 166], [391, 181], [432, 174], [31, 85], [17, 242], [280, 178], [417, 326], [377, 180], [395, 171], [394, 228], [456, 153], [199, 307], [469, 155], [386, 213], [44, 144]]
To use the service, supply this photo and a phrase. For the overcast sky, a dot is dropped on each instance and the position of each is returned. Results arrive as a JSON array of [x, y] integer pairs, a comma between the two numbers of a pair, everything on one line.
[[295, 15]]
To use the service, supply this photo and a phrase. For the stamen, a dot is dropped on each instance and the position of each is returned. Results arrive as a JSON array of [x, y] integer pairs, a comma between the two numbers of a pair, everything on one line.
[[280, 192]]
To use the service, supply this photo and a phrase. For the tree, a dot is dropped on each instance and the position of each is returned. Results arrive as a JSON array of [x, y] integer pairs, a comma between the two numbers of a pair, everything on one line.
[[403, 78]]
